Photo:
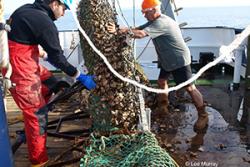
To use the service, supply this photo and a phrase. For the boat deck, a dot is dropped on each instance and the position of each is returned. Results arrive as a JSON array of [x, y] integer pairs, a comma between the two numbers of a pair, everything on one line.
[[216, 148], [59, 149]]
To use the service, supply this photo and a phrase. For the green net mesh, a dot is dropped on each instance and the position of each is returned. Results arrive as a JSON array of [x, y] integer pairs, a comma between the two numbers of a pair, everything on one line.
[[104, 119], [114, 105], [136, 150], [101, 113]]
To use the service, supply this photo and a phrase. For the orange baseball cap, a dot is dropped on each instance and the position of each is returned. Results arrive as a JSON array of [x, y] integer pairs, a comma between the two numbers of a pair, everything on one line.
[[147, 4]]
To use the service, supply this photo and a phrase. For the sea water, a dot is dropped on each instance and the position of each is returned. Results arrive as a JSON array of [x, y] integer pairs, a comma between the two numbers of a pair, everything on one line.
[[235, 17]]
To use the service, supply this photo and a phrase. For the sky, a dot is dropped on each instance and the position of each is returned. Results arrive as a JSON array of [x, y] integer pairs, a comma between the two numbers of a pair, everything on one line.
[[11, 5]]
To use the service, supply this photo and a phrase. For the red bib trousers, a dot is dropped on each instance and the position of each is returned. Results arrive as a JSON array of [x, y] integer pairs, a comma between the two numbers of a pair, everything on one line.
[[29, 96]]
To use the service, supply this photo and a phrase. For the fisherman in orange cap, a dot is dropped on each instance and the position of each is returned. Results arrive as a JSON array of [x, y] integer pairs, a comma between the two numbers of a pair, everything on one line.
[[173, 55]]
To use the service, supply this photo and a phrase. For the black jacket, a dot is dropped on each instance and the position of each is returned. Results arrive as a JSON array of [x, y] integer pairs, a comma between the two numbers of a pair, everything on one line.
[[33, 24]]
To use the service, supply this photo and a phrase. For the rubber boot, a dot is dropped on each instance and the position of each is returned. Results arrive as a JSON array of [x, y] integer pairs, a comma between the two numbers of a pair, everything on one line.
[[197, 141], [40, 165], [162, 104], [202, 120]]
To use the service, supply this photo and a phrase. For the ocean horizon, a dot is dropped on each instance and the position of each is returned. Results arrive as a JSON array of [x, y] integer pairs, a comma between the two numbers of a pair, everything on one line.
[[234, 17]]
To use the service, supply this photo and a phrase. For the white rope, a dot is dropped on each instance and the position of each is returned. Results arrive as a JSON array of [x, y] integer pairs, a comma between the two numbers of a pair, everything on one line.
[[4, 53], [4, 59], [226, 50]]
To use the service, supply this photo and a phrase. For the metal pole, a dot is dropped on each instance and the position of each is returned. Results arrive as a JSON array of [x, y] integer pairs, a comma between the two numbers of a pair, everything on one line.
[[6, 158], [246, 104], [237, 67]]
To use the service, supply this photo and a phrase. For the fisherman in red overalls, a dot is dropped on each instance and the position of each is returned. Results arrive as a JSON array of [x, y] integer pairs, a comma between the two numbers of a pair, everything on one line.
[[32, 25]]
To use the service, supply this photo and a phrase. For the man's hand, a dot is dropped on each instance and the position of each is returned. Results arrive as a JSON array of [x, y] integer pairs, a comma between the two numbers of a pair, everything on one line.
[[87, 80], [42, 53], [111, 28]]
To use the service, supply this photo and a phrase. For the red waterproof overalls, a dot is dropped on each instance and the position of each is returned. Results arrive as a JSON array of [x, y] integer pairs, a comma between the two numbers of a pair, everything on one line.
[[29, 96]]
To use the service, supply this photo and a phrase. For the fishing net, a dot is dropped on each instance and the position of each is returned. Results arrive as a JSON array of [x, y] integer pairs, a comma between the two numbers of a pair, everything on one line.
[[136, 150], [114, 106], [106, 119]]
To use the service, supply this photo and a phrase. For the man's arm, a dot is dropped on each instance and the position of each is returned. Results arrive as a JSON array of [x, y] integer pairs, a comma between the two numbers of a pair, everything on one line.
[[50, 42], [135, 32]]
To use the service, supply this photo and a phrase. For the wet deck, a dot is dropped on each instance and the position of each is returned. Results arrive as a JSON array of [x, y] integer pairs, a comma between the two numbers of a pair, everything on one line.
[[219, 147], [212, 148]]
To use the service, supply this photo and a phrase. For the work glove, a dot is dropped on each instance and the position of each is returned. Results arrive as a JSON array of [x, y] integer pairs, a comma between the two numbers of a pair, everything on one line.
[[87, 81]]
